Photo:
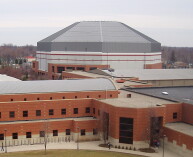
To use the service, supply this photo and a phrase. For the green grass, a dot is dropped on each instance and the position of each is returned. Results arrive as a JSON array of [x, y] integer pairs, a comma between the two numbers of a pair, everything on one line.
[[67, 153]]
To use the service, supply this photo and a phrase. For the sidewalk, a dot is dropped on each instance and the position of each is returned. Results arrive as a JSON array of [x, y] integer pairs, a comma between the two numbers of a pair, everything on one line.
[[89, 146]]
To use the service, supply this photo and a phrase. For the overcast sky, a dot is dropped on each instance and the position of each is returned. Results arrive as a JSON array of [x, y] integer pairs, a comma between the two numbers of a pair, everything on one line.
[[28, 21]]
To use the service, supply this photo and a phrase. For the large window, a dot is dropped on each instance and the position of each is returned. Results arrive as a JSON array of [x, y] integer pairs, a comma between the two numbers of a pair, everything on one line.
[[126, 130], [25, 113], [11, 114]]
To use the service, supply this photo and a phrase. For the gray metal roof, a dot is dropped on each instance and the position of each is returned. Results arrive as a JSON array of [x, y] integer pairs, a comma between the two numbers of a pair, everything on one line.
[[154, 74], [49, 86], [180, 94], [99, 36]]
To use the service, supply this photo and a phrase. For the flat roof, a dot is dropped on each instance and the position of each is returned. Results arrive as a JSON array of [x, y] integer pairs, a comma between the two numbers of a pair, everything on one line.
[[181, 127], [136, 102], [180, 94], [154, 74], [51, 86]]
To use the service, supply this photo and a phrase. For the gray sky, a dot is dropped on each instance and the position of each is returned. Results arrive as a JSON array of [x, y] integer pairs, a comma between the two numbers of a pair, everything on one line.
[[28, 21]]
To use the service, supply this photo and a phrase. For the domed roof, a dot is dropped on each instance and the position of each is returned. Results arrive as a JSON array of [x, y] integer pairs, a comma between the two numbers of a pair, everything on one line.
[[99, 36]]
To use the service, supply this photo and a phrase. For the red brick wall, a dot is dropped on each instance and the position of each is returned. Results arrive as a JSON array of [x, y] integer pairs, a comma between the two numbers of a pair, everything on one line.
[[187, 113], [172, 108], [55, 96], [179, 137], [36, 127], [153, 66]]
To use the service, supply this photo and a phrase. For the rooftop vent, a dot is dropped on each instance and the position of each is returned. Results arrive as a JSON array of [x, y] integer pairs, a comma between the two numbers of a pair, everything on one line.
[[165, 93]]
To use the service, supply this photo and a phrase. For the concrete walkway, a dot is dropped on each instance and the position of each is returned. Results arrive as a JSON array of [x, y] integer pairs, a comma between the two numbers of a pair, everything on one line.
[[89, 146]]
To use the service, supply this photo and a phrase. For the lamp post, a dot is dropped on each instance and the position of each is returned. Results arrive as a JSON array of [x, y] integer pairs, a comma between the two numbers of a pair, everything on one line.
[[78, 138], [5, 130], [163, 144]]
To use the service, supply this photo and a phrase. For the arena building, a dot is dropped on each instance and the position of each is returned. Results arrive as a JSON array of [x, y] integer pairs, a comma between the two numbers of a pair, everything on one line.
[[97, 44]]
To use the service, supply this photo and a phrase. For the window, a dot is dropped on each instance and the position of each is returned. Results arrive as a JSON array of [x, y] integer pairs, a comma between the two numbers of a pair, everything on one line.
[[1, 136], [60, 69], [93, 110], [11, 114], [28, 134], [55, 132], [67, 131], [25, 113], [14, 135], [38, 112], [111, 95], [87, 96], [75, 110], [126, 130], [175, 115], [0, 114], [42, 133], [52, 68], [63, 97], [95, 131], [99, 112], [38, 98], [51, 112], [63, 111], [25, 99], [75, 97], [11, 99], [82, 132], [87, 110], [50, 98], [99, 96]]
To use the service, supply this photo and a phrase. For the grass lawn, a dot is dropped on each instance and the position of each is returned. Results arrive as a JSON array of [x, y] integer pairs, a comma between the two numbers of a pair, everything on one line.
[[67, 153]]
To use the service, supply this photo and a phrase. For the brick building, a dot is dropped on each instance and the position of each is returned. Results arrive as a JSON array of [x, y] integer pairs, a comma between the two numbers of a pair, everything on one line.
[[88, 109]]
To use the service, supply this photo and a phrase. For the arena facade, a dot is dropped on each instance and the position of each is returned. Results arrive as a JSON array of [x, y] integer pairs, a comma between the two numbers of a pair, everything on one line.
[[89, 45]]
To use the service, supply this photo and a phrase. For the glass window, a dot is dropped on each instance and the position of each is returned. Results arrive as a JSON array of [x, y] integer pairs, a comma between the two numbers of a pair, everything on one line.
[[11, 114], [75, 110], [1, 136], [63, 111], [28, 134], [67, 131], [42, 133], [14, 135], [25, 113], [38, 112], [82, 132], [51, 112], [55, 132], [87, 110]]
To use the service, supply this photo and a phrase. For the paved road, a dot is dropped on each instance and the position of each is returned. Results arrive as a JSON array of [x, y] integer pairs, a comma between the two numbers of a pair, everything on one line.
[[87, 145]]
